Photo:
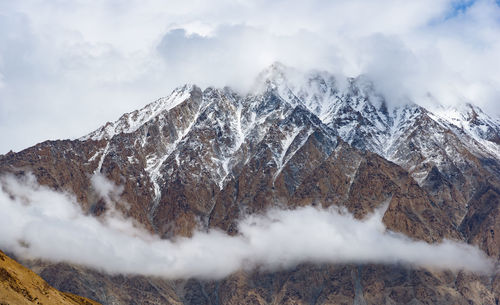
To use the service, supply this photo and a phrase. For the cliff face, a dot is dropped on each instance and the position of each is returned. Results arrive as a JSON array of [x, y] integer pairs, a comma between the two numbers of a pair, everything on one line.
[[202, 159], [19, 285]]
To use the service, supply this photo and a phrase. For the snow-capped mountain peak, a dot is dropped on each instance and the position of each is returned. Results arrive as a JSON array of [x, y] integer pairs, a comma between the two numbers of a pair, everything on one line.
[[173, 130], [130, 122], [472, 120]]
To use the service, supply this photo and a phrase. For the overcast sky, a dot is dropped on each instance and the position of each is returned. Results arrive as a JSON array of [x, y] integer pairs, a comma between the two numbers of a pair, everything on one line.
[[67, 67]]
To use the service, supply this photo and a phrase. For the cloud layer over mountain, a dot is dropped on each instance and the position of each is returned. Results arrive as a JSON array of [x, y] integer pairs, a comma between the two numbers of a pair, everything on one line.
[[40, 223], [68, 66]]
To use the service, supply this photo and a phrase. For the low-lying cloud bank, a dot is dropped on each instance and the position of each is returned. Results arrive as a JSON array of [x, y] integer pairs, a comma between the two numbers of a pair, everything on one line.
[[38, 222]]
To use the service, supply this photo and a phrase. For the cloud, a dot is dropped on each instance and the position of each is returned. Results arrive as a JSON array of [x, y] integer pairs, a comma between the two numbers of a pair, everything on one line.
[[106, 189], [69, 66], [234, 55], [40, 223]]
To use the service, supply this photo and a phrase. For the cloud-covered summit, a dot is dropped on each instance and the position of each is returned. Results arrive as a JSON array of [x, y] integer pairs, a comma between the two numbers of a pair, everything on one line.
[[66, 67]]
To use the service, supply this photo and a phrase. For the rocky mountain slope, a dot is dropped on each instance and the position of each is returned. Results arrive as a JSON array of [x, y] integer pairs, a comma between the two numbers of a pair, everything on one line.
[[19, 285], [200, 159]]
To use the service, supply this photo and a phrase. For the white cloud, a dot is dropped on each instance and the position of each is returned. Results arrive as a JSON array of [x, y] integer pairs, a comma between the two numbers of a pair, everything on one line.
[[69, 66], [106, 189], [40, 223]]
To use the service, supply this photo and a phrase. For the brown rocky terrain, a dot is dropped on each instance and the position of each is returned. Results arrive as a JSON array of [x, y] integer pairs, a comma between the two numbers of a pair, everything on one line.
[[203, 159], [19, 285]]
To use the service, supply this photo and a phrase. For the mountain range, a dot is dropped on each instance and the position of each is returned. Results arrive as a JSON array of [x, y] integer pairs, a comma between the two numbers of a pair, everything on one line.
[[200, 159]]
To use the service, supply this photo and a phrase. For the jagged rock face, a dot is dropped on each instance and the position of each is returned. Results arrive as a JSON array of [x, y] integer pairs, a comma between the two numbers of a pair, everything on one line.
[[202, 159], [480, 225], [335, 177], [304, 284]]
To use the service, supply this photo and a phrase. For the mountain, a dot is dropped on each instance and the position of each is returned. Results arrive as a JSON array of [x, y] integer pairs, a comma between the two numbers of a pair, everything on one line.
[[19, 285], [200, 159]]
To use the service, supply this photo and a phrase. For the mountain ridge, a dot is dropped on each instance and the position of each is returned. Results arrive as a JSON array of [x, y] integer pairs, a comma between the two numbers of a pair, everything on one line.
[[200, 159], [353, 115]]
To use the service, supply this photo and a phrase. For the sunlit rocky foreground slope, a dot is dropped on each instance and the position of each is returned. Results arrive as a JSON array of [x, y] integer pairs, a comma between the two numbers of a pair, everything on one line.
[[202, 158], [19, 285]]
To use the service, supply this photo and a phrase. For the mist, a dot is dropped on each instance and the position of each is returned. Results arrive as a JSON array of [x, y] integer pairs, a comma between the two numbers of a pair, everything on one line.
[[37, 222]]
